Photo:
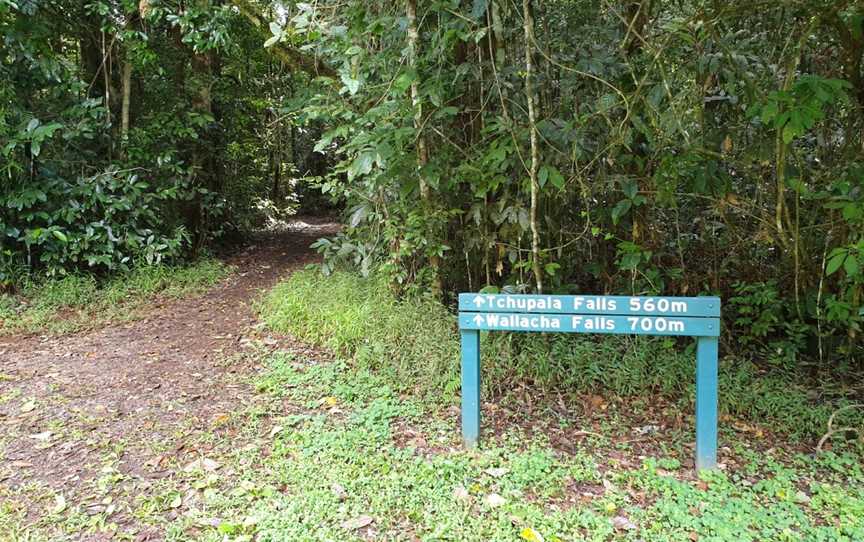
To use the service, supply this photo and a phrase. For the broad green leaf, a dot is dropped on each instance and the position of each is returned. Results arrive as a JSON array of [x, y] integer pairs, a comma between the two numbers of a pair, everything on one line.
[[852, 211], [789, 133], [769, 112], [402, 82], [851, 266], [358, 215], [478, 9], [524, 219], [835, 263], [353, 85], [361, 165], [542, 176], [620, 210], [556, 178]]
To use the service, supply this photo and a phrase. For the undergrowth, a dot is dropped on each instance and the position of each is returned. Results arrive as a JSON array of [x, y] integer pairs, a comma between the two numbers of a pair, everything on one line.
[[337, 471], [81, 300], [415, 343]]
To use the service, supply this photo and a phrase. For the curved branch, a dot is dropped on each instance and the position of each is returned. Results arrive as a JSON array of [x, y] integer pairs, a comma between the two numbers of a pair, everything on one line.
[[288, 55]]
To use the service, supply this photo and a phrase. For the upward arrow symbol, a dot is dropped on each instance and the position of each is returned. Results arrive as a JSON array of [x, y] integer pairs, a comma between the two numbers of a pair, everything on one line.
[[478, 320], [478, 300]]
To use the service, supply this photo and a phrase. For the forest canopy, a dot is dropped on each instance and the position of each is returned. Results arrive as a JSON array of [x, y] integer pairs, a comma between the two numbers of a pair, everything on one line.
[[613, 146]]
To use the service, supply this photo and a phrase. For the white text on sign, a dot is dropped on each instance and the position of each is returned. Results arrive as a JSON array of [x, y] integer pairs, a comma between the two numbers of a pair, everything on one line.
[[518, 303], [579, 303], [543, 322], [660, 305]]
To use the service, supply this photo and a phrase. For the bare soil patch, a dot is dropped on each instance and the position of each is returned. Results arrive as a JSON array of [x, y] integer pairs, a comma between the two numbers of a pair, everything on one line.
[[125, 401]]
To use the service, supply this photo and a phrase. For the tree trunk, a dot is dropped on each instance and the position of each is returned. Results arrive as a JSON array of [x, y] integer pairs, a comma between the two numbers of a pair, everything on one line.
[[535, 145], [498, 33], [202, 103], [422, 155], [133, 22], [127, 97], [277, 165], [417, 106]]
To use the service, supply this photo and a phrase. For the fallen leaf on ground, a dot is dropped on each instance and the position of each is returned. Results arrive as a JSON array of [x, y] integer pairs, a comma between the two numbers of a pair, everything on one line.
[[59, 504], [623, 524], [496, 472], [495, 500], [276, 429], [339, 491], [207, 465], [29, 406], [176, 502], [221, 419], [531, 535], [44, 435], [357, 523]]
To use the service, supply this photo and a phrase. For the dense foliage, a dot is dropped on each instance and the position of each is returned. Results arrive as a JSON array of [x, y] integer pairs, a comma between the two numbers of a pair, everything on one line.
[[638, 146], [625, 147], [133, 132]]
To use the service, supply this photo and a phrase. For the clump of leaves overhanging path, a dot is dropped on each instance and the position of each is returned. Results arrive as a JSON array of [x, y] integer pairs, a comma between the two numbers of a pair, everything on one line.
[[641, 147]]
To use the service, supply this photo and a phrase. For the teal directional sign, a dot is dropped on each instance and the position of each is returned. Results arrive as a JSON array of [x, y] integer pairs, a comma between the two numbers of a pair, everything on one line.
[[591, 323], [637, 315], [592, 304]]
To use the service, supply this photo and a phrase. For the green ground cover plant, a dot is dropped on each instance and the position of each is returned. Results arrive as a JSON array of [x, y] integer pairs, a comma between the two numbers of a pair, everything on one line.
[[325, 455], [415, 341], [336, 465], [336, 446], [79, 300]]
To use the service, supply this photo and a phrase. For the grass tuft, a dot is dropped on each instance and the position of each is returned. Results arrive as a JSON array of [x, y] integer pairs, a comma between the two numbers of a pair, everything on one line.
[[359, 318], [77, 301], [416, 344]]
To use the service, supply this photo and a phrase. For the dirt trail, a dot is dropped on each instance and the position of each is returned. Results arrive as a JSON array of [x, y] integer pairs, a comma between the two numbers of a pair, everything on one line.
[[124, 399]]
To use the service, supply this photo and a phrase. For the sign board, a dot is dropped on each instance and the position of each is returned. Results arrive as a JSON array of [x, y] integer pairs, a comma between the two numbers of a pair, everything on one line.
[[638, 315]]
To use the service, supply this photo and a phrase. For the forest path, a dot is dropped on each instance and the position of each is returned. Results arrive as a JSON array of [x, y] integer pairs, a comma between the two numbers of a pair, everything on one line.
[[88, 419]]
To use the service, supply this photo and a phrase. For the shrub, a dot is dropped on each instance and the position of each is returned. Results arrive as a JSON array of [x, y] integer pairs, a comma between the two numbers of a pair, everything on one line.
[[110, 221]]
